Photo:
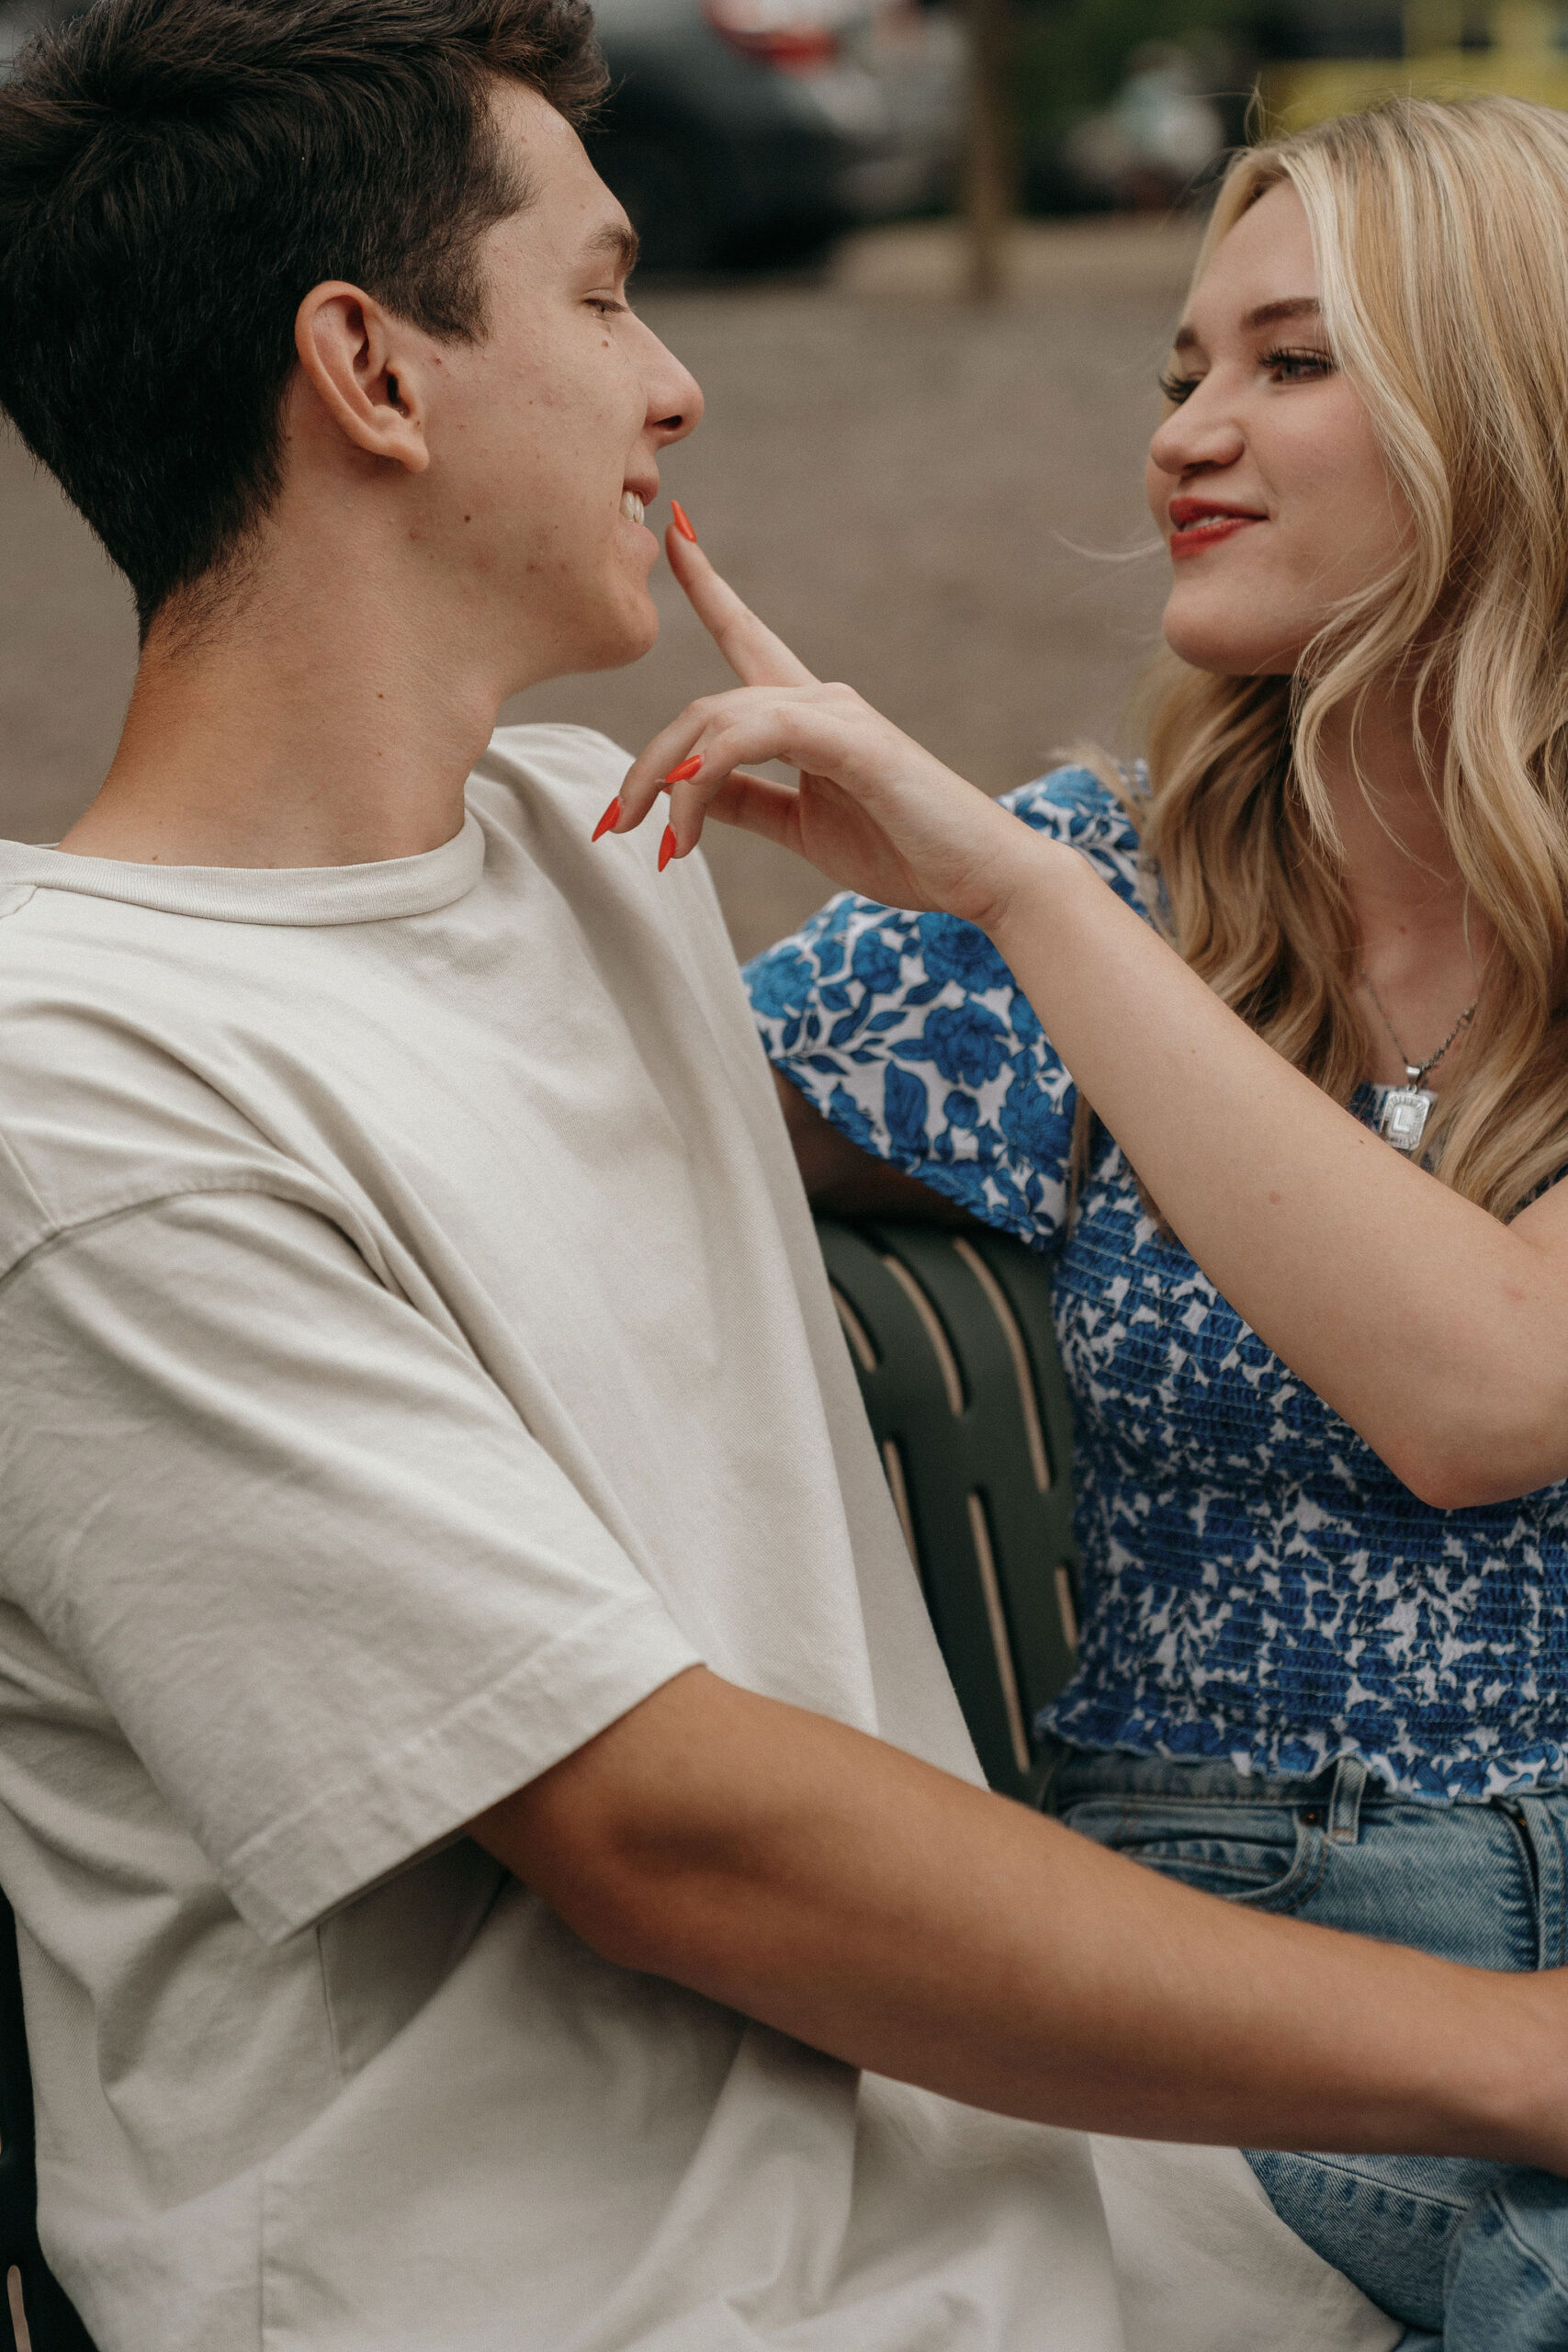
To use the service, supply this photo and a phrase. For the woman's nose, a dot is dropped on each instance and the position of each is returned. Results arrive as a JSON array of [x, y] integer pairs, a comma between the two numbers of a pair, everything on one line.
[[1203, 431]]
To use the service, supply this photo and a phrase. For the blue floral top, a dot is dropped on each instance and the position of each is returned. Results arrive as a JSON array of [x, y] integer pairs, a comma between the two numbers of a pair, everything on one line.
[[1259, 1585]]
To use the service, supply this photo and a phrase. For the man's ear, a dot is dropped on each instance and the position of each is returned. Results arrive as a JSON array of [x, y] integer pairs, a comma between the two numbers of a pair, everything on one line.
[[367, 369]]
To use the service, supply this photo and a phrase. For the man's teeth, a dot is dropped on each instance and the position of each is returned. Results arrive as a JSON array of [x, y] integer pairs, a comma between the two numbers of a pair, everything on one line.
[[631, 507]]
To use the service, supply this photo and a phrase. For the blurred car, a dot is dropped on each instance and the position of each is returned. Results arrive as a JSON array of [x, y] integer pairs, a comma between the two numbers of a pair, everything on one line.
[[745, 131], [18, 22]]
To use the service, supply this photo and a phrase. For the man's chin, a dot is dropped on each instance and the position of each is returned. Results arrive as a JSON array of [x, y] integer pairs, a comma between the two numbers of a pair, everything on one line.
[[639, 636], [625, 639], [610, 638]]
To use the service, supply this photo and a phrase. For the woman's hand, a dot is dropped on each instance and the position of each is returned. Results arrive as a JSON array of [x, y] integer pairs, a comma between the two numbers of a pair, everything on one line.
[[871, 810], [1301, 1217]]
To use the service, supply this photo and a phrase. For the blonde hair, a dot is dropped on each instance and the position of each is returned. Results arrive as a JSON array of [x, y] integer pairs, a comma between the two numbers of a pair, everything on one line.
[[1441, 236]]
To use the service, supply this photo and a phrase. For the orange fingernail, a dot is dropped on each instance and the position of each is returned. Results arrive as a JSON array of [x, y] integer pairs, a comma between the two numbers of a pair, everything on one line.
[[611, 817], [667, 847], [686, 771], [681, 524]]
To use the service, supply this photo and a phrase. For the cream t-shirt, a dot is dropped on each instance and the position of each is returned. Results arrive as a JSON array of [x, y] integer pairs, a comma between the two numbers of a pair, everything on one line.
[[414, 1350]]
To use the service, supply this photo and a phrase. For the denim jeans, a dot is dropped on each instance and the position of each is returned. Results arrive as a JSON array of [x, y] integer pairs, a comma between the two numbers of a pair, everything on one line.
[[1472, 2255]]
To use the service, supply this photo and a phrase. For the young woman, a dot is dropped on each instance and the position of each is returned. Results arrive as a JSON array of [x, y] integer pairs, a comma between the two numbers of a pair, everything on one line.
[[1310, 970]]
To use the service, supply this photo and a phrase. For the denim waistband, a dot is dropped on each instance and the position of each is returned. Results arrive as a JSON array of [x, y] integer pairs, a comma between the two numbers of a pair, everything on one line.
[[1342, 1789], [1338, 1848]]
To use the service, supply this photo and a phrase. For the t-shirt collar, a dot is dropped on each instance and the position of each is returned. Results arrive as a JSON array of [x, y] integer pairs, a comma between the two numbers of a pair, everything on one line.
[[377, 892]]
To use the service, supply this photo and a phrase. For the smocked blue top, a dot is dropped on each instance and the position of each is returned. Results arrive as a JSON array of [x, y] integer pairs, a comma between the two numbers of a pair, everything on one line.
[[1258, 1584]]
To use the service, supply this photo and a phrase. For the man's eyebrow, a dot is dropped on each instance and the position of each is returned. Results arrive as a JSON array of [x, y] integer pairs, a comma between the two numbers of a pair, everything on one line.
[[617, 242]]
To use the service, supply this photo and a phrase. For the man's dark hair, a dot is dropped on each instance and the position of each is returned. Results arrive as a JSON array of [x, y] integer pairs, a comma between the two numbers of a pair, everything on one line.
[[174, 177]]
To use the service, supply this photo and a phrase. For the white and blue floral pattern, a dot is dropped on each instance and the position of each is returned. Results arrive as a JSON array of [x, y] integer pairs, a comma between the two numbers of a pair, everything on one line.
[[1259, 1585]]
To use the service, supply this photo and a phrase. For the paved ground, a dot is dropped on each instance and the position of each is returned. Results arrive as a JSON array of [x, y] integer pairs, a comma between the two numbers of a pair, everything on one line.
[[941, 504]]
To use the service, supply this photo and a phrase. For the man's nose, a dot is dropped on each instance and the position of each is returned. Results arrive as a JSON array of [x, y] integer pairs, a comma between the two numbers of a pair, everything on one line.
[[674, 396]]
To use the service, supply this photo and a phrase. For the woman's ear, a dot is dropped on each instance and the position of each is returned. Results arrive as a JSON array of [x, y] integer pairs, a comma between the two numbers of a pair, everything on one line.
[[366, 368]]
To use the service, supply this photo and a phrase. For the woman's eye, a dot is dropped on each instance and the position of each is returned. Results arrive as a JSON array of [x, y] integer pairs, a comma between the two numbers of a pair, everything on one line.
[[1298, 366], [607, 305], [1177, 389]]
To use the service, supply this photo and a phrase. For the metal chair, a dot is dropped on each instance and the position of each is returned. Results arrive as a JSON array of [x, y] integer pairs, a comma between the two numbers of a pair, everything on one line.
[[952, 1337], [35, 2312]]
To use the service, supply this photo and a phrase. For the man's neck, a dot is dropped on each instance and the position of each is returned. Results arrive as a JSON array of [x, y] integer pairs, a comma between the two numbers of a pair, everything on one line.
[[327, 726]]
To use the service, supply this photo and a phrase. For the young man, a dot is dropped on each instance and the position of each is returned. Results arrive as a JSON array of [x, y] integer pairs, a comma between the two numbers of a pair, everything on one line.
[[477, 1781]]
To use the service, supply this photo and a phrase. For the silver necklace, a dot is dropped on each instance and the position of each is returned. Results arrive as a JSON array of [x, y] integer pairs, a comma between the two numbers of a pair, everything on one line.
[[1408, 1107]]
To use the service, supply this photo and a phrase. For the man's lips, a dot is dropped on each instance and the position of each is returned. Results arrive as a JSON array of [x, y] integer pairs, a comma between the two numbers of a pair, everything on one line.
[[1198, 523]]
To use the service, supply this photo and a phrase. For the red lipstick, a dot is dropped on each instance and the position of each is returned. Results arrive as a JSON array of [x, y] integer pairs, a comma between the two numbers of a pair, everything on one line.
[[1198, 523]]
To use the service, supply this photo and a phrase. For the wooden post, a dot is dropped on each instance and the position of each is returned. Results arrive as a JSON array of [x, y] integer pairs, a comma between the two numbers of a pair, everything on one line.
[[987, 159]]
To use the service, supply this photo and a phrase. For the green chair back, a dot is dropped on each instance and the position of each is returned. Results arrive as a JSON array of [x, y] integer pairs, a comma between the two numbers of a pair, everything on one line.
[[951, 1337]]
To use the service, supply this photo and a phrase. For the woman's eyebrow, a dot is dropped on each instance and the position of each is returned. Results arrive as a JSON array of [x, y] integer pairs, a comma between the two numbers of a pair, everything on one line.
[[1267, 315], [1300, 305]]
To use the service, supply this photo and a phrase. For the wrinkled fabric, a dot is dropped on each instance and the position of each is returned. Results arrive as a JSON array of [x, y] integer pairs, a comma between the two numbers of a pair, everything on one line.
[[414, 1350]]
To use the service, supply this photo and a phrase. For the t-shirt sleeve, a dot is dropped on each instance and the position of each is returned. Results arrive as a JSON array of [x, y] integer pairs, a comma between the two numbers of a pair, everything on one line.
[[910, 1036], [335, 1596]]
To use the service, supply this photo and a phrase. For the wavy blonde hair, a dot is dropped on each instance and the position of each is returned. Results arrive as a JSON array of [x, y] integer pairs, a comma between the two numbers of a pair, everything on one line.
[[1441, 236]]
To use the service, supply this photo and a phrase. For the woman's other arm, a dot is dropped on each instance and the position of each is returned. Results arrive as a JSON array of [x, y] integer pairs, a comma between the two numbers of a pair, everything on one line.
[[841, 1180]]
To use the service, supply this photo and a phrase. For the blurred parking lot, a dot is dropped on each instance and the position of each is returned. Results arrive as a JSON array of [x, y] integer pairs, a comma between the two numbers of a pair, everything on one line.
[[939, 503]]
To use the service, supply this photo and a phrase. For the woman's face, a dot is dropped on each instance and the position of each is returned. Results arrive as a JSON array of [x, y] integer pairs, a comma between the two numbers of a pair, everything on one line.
[[1265, 479]]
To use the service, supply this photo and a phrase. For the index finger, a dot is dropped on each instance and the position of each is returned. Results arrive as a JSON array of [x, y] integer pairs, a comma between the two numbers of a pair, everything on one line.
[[757, 657]]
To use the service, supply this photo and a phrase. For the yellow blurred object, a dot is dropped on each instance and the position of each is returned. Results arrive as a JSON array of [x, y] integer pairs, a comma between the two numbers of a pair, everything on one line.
[[1522, 53]]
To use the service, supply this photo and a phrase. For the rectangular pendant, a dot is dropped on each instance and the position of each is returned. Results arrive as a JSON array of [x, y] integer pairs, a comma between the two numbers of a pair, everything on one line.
[[1405, 1116]]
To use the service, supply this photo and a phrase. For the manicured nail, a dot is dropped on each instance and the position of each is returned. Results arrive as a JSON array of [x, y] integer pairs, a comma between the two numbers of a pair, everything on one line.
[[667, 847], [681, 524], [612, 816], [687, 769]]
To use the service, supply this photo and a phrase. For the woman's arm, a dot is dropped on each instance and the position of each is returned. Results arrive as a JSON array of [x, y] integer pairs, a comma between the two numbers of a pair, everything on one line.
[[1438, 1333]]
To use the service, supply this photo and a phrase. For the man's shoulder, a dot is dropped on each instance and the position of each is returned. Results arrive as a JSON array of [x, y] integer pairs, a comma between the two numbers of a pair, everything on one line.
[[112, 1096], [566, 762], [547, 786]]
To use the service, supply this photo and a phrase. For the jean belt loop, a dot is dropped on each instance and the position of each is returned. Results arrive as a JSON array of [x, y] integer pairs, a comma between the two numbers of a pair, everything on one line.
[[1345, 1805], [1054, 1754], [1538, 1819]]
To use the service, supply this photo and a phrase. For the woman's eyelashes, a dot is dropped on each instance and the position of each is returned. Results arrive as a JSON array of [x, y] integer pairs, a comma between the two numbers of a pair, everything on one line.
[[1301, 365]]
